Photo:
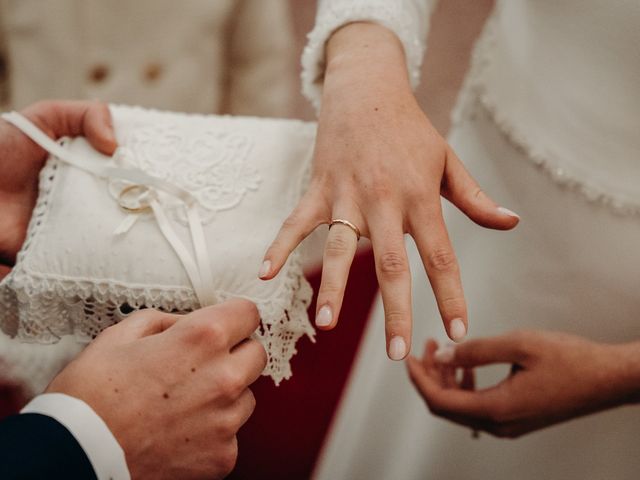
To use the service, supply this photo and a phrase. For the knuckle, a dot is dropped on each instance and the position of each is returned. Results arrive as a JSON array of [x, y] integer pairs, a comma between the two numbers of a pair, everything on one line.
[[454, 306], [296, 224], [250, 400], [418, 194], [231, 384], [396, 321], [442, 260], [248, 309], [393, 264], [329, 289], [227, 458], [143, 314], [337, 246], [111, 330], [227, 425], [210, 332], [292, 221], [478, 193], [261, 354], [381, 191]]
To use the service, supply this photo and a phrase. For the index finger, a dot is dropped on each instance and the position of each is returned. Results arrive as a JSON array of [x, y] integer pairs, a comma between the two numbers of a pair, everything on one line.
[[232, 321]]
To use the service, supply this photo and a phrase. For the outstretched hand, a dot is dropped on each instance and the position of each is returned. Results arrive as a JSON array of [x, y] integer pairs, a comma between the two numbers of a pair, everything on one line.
[[21, 161], [381, 165], [554, 377]]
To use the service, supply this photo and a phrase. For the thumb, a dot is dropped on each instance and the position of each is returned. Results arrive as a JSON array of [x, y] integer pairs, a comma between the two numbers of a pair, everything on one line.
[[97, 126], [91, 119], [463, 191], [483, 351]]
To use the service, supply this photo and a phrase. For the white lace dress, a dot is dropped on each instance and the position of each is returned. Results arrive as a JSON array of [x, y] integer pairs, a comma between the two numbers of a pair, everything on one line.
[[548, 123]]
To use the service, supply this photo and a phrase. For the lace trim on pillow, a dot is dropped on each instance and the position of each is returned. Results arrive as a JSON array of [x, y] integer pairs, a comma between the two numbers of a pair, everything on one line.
[[392, 15], [474, 95], [42, 309]]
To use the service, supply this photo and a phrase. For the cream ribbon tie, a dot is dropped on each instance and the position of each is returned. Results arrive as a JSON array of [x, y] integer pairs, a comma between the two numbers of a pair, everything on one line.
[[143, 195]]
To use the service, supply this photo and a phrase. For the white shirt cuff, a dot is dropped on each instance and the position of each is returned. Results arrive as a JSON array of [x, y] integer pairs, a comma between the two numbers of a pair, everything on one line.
[[101, 447]]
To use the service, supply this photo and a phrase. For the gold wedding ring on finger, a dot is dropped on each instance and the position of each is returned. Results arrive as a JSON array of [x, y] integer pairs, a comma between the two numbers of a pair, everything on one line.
[[340, 221]]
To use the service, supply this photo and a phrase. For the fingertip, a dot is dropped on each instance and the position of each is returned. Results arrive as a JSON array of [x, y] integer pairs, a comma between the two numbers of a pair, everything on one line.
[[325, 318], [98, 127], [431, 345], [457, 330], [398, 348], [509, 213], [265, 270], [271, 269], [445, 354]]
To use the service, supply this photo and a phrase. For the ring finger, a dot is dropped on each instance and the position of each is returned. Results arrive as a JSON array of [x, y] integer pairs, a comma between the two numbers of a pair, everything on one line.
[[340, 248]]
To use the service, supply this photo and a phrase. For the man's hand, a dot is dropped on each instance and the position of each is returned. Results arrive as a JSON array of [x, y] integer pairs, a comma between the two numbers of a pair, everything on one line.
[[554, 377], [21, 161], [172, 389]]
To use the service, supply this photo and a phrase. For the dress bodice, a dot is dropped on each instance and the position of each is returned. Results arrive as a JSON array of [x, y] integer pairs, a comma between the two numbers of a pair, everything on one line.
[[561, 79]]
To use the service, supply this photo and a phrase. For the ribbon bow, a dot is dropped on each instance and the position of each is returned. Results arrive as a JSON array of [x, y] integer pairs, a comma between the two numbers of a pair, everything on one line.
[[141, 194]]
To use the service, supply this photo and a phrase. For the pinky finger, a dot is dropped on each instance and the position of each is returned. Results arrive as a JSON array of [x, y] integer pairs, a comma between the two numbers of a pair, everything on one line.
[[304, 219]]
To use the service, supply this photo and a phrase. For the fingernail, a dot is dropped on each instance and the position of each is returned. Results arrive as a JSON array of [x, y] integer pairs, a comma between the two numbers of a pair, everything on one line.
[[457, 330], [397, 348], [324, 316], [506, 211], [265, 269], [445, 354]]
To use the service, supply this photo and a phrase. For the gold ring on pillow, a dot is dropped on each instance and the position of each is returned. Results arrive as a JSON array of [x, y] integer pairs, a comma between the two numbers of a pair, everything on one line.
[[143, 204], [347, 223]]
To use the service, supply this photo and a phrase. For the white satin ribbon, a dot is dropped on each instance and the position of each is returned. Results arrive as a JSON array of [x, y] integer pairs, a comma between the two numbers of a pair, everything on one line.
[[198, 269]]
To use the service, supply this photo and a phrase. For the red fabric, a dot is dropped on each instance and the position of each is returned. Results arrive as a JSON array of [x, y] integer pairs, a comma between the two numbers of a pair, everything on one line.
[[11, 399], [285, 434]]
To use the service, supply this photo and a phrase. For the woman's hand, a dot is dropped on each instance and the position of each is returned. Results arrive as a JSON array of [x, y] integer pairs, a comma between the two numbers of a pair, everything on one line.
[[21, 161], [381, 165], [554, 377]]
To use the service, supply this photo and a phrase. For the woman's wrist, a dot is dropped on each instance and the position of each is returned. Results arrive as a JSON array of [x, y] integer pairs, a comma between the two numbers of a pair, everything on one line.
[[365, 57]]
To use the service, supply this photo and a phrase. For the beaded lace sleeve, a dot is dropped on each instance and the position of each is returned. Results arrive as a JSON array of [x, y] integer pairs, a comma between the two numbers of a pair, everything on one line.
[[408, 19]]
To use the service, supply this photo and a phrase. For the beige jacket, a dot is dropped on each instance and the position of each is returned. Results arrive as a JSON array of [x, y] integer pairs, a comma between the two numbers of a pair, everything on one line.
[[188, 55]]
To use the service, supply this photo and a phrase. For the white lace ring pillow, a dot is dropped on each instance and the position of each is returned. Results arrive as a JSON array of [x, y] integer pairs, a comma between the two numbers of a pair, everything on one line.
[[179, 217]]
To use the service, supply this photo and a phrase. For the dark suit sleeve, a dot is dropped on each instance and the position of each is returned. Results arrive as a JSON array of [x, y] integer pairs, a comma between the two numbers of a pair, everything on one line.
[[34, 446]]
